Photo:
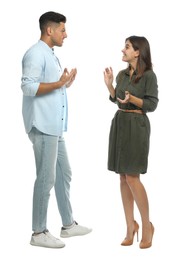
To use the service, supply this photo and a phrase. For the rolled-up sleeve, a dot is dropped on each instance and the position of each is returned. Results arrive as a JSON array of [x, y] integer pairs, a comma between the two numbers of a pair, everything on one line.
[[114, 100], [31, 74], [29, 87], [150, 100]]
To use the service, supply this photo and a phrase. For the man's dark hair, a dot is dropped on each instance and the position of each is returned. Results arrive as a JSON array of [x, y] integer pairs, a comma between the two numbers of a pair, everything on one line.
[[50, 17]]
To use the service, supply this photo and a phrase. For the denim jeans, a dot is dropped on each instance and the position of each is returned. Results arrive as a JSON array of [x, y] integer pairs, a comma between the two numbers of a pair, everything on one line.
[[52, 170]]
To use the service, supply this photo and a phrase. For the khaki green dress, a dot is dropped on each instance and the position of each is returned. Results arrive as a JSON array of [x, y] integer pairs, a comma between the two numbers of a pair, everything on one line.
[[130, 132]]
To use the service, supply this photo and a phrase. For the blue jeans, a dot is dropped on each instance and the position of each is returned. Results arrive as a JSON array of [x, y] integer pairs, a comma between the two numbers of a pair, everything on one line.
[[52, 170]]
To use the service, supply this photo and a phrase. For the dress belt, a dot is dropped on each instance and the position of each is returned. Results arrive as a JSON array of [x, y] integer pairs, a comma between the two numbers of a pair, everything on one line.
[[138, 111]]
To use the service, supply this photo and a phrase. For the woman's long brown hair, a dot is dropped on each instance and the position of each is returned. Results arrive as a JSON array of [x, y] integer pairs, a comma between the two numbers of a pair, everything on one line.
[[144, 59]]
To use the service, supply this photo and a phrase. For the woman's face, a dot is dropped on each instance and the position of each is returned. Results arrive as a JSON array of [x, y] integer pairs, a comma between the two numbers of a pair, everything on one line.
[[129, 54]]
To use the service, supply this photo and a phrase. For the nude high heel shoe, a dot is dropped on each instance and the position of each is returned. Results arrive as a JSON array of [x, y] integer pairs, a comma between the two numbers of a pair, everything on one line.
[[129, 242], [143, 244]]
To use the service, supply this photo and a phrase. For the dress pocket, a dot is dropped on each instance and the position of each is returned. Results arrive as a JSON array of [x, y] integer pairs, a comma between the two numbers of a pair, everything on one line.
[[140, 119]]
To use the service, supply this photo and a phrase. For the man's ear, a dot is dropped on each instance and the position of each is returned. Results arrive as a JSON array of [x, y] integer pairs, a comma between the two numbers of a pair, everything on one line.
[[49, 30]]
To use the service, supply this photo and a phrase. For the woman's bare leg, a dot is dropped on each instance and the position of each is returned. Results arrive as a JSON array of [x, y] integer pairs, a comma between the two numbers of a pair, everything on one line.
[[140, 197], [128, 205]]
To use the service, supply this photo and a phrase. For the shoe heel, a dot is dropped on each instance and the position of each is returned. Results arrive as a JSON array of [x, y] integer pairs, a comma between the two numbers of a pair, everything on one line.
[[137, 236], [136, 231]]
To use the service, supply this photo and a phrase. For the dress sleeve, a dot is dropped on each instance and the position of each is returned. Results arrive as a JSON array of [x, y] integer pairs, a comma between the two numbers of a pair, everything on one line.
[[150, 100]]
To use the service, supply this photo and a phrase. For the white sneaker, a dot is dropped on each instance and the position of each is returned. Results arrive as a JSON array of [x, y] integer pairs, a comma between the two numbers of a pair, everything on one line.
[[76, 230], [46, 239]]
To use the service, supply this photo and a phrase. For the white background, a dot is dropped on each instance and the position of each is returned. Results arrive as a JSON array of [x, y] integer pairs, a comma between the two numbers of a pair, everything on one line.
[[96, 34]]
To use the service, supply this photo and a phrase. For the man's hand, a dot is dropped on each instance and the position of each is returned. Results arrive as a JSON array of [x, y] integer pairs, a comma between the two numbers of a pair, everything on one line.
[[73, 74], [68, 77]]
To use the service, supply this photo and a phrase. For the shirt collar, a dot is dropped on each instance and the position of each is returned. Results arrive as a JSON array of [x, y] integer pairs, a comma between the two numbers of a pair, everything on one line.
[[46, 46], [127, 72]]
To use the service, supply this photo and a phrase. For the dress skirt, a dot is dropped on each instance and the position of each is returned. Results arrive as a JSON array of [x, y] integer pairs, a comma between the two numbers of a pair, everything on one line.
[[129, 143]]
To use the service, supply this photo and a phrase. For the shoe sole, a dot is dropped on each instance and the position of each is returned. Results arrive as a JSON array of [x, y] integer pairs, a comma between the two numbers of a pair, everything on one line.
[[58, 247], [75, 235]]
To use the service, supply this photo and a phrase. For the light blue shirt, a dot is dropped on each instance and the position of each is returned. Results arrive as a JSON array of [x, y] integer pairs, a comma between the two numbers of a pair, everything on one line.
[[48, 112]]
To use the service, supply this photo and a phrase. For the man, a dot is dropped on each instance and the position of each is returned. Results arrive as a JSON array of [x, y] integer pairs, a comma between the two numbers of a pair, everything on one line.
[[45, 118]]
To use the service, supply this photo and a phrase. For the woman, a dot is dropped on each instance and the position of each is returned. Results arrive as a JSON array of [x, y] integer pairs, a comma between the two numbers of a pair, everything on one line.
[[136, 93]]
